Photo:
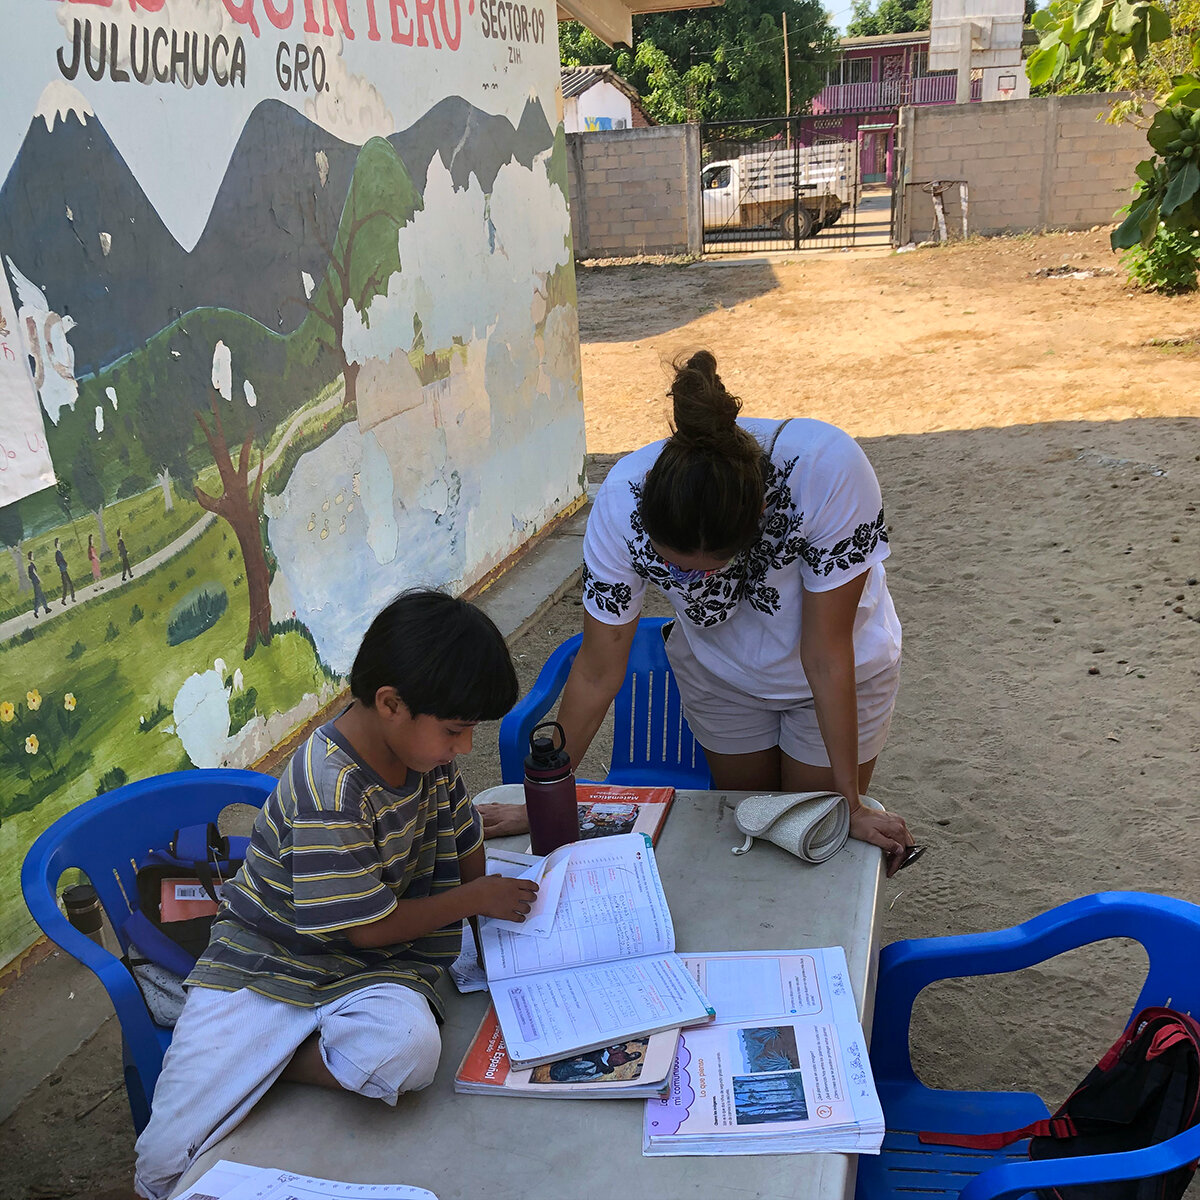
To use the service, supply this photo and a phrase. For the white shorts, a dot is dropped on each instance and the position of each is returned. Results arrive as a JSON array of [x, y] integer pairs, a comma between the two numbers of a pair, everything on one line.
[[726, 720], [229, 1047]]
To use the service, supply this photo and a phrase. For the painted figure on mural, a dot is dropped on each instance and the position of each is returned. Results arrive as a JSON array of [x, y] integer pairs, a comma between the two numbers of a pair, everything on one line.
[[126, 569], [39, 596], [60, 560], [94, 559]]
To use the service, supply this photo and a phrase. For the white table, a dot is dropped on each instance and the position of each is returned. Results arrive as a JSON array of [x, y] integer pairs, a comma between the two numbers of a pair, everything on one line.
[[470, 1147]]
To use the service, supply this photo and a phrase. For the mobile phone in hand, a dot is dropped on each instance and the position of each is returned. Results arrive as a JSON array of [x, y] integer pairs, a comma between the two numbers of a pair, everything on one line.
[[910, 856]]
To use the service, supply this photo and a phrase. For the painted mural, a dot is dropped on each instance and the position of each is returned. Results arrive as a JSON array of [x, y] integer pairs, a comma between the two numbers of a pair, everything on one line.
[[287, 324]]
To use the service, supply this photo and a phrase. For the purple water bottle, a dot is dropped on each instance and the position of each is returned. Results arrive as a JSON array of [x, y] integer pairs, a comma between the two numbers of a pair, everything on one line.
[[550, 791]]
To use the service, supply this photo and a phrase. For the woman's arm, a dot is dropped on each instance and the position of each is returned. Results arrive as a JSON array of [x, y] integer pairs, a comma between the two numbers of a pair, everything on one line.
[[595, 678], [827, 655]]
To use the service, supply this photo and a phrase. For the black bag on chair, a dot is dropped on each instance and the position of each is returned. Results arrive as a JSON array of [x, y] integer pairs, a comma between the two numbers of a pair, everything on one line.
[[162, 952], [1144, 1090]]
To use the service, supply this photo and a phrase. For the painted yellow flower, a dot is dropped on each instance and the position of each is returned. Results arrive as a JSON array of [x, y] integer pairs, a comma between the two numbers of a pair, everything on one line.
[[7, 712], [69, 702], [31, 744], [34, 700]]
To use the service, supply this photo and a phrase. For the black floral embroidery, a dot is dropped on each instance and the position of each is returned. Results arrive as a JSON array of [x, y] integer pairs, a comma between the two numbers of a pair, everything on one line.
[[849, 551], [613, 598], [713, 598]]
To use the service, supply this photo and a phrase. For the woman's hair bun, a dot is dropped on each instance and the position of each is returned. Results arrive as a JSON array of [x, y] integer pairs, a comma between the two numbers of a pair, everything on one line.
[[705, 414]]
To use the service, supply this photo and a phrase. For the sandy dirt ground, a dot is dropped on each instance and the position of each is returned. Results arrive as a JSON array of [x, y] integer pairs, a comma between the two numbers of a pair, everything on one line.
[[1040, 463]]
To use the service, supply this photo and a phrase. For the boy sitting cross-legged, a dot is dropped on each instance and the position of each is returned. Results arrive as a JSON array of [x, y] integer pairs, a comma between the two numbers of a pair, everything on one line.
[[362, 865]]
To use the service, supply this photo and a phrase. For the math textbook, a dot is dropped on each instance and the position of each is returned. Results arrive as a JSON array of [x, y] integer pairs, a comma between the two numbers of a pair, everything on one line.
[[636, 1067], [606, 809]]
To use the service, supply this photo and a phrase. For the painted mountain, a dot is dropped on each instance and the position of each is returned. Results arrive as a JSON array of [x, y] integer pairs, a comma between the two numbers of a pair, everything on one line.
[[75, 220]]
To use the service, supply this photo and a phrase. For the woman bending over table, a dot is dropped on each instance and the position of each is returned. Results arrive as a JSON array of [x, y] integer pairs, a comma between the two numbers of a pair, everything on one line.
[[768, 539]]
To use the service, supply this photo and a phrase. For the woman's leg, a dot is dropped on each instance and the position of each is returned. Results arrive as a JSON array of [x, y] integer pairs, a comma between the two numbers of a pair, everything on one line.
[[805, 777], [758, 771]]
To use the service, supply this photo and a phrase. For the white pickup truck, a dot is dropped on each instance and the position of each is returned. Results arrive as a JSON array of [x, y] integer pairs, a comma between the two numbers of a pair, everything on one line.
[[758, 191]]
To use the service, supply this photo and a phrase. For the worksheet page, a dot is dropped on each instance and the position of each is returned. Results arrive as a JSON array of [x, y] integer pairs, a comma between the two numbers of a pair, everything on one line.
[[611, 907], [557, 1013]]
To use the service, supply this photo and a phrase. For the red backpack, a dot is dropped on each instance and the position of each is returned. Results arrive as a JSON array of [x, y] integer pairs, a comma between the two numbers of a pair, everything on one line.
[[1145, 1090]]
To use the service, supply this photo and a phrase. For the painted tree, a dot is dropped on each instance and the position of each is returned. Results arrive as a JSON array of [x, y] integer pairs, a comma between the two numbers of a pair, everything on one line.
[[90, 489], [240, 505], [12, 533], [1155, 51], [364, 254]]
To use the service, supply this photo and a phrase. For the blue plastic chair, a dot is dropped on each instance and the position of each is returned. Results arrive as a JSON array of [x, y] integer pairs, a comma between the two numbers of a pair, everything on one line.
[[1169, 931], [652, 744], [103, 838]]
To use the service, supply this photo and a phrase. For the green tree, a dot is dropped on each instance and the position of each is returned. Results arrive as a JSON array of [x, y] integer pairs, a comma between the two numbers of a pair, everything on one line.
[[365, 253], [888, 16], [716, 64], [90, 489], [1154, 50], [12, 532]]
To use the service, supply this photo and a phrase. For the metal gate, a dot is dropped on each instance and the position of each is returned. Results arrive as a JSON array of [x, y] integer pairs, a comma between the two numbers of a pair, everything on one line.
[[762, 189]]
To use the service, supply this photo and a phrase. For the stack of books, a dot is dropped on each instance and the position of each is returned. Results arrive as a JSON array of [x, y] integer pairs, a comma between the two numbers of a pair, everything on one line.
[[782, 1070]]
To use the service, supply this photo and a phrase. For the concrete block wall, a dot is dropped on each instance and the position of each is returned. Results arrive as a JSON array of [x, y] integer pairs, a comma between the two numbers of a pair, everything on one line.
[[1046, 163], [635, 191]]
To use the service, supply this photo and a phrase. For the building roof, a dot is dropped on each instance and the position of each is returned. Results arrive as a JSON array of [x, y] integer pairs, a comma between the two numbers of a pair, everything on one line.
[[577, 80], [612, 20], [884, 39]]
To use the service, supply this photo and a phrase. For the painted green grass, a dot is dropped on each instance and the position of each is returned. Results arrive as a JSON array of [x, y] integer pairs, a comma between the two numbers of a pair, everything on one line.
[[147, 529], [114, 680]]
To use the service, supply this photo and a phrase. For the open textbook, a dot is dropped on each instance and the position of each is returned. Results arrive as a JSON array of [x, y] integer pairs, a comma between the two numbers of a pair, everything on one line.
[[783, 1069], [238, 1181], [632, 1068], [605, 810], [606, 971]]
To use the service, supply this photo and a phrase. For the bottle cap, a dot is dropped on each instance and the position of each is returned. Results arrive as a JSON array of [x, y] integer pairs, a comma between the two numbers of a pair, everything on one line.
[[545, 757]]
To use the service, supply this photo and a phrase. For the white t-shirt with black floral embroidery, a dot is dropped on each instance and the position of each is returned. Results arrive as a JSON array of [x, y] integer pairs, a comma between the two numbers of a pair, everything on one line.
[[822, 526]]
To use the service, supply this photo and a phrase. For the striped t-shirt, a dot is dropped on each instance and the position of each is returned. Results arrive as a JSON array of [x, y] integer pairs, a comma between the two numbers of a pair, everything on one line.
[[335, 847]]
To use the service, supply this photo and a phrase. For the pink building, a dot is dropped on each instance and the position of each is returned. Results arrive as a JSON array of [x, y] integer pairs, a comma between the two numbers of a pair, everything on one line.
[[865, 89]]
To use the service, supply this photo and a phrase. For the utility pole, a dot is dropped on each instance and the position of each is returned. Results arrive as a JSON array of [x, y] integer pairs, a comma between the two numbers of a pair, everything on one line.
[[787, 81]]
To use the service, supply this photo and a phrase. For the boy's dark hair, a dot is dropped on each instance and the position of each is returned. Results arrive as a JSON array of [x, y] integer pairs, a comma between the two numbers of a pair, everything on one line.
[[704, 493], [444, 657]]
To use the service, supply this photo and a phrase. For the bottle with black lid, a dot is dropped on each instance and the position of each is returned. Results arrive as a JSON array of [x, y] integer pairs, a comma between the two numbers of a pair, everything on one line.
[[550, 790]]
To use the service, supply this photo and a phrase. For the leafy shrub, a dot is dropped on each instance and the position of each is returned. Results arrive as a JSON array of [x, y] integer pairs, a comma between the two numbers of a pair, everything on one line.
[[231, 555], [131, 485], [113, 778], [190, 572], [241, 708], [111, 633], [199, 610], [1168, 266], [135, 614], [76, 651], [152, 718], [172, 585]]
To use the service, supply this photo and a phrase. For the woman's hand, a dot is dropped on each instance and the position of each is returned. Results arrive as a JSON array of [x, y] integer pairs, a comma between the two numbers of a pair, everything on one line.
[[503, 820], [885, 830]]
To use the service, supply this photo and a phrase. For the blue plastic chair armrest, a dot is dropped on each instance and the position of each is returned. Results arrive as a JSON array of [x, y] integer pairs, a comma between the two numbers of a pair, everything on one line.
[[906, 968], [517, 726], [1016, 1179], [139, 1030]]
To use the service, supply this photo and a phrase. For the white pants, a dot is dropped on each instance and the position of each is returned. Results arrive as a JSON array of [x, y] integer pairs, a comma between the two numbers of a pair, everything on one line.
[[229, 1047]]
